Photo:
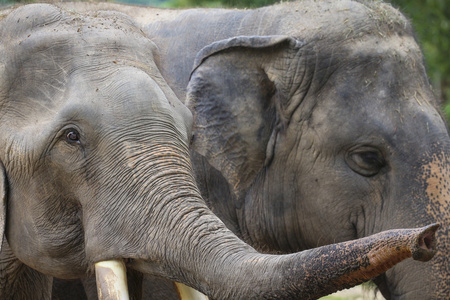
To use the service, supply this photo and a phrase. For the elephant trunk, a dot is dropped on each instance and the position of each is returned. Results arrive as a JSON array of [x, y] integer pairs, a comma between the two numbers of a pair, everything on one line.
[[321, 271], [223, 267], [350, 263]]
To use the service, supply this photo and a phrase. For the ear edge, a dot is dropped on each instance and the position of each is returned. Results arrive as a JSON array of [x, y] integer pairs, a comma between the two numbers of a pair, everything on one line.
[[254, 42]]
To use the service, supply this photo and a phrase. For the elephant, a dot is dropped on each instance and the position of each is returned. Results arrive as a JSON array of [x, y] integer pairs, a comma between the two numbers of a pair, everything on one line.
[[314, 123], [95, 171]]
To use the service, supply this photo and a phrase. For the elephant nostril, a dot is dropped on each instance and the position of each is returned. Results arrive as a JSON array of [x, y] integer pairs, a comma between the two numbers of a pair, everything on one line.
[[425, 245], [427, 241]]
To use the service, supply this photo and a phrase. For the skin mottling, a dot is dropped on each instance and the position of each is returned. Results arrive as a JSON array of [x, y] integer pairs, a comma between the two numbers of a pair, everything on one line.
[[376, 259], [437, 178], [438, 181]]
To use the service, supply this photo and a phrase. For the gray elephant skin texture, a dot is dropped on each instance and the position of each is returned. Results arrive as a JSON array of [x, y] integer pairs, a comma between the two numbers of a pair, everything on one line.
[[95, 166], [314, 123]]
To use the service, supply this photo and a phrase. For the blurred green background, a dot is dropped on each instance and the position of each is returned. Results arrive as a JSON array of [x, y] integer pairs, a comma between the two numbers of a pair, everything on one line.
[[431, 20]]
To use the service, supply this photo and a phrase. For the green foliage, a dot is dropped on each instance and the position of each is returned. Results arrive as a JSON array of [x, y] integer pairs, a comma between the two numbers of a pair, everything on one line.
[[431, 20], [192, 3], [219, 3], [5, 2], [155, 3]]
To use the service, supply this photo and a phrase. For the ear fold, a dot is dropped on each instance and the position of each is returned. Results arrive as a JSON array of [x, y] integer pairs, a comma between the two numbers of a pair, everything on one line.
[[3, 193], [240, 93]]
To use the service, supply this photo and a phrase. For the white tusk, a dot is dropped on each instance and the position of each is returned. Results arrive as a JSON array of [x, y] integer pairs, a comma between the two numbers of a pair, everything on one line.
[[188, 293], [111, 278]]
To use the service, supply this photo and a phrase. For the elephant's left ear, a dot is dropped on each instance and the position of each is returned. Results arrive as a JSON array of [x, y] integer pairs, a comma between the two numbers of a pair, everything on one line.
[[239, 94], [3, 200]]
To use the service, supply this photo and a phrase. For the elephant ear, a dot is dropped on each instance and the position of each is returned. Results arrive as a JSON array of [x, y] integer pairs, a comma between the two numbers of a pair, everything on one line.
[[3, 200], [240, 93]]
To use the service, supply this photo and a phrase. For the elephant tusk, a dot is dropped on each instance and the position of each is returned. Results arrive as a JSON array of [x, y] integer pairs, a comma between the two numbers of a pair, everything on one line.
[[187, 293], [111, 276]]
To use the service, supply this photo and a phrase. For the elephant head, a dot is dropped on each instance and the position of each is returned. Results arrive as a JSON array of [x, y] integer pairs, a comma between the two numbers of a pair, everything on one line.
[[95, 167], [329, 135], [92, 138]]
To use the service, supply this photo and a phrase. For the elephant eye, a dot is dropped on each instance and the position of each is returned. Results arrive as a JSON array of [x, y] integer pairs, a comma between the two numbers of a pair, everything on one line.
[[72, 136], [366, 162]]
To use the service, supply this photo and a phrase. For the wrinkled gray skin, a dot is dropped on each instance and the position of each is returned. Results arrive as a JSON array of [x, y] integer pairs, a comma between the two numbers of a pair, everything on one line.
[[95, 166], [317, 119], [75, 99]]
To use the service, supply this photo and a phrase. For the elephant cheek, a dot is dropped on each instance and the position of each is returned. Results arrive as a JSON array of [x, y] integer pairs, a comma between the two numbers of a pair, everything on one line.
[[437, 179]]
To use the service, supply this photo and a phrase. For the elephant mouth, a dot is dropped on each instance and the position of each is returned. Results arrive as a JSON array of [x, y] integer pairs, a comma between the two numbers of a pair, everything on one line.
[[111, 277]]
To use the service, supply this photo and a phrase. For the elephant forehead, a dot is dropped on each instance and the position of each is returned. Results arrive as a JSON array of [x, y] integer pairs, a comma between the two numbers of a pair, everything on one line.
[[45, 35], [382, 75], [118, 91], [400, 46], [36, 18], [126, 91], [376, 113], [45, 65], [55, 49]]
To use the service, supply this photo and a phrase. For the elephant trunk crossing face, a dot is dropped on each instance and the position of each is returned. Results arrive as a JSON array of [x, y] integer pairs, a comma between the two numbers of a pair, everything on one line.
[[95, 167]]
